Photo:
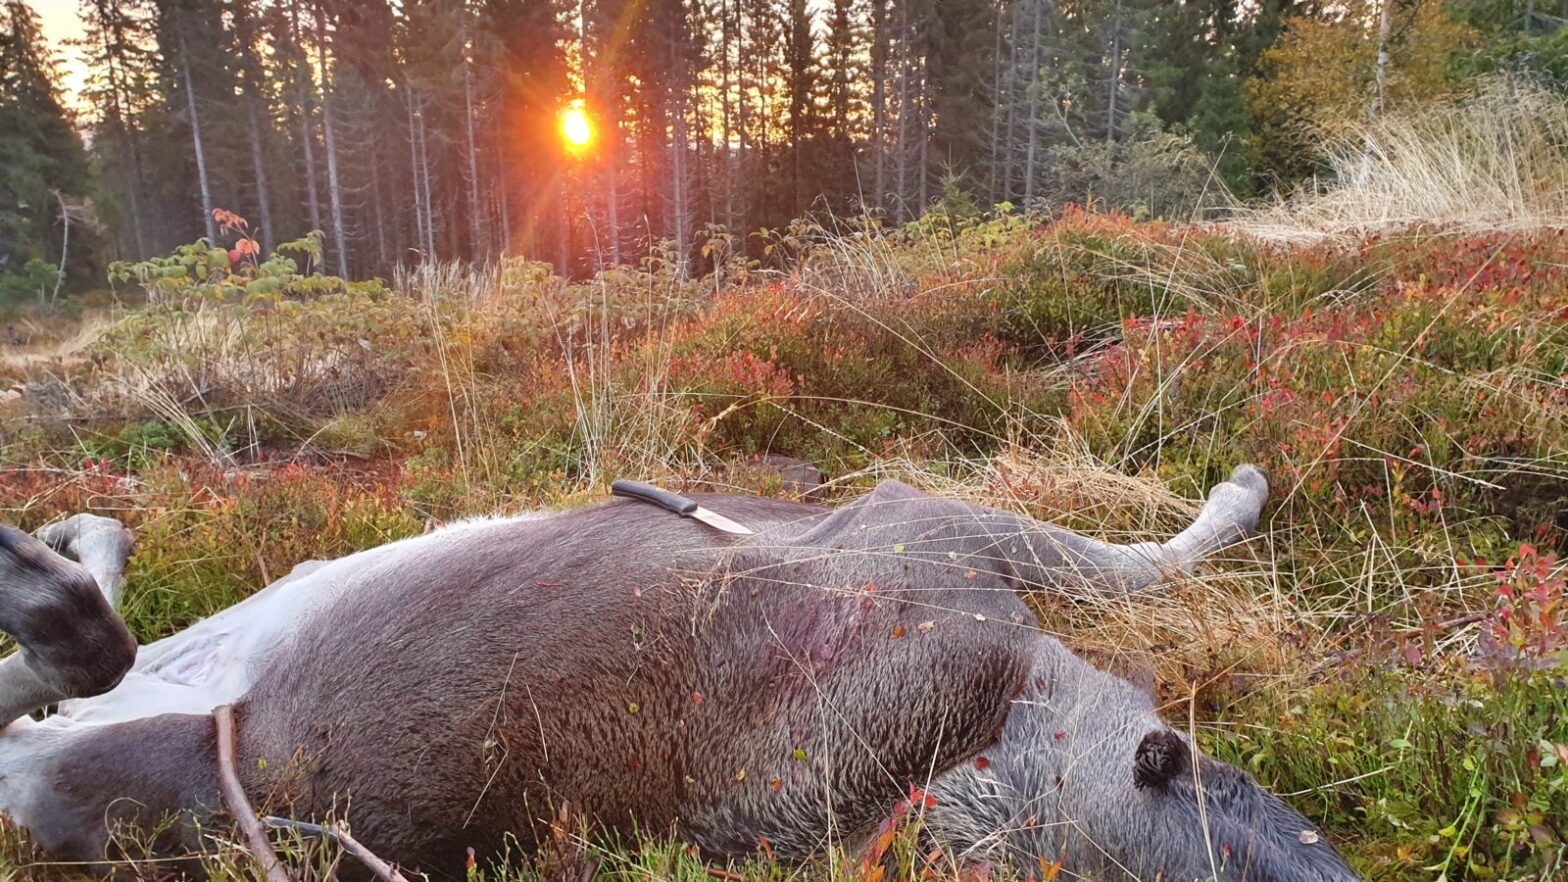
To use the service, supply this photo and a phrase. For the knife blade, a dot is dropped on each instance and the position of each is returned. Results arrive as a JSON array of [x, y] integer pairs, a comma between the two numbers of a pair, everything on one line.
[[681, 505]]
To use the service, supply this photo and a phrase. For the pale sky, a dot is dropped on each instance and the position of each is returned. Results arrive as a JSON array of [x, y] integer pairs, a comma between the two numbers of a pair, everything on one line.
[[62, 21]]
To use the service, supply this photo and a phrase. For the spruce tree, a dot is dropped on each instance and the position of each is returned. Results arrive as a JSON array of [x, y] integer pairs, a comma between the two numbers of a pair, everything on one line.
[[43, 167]]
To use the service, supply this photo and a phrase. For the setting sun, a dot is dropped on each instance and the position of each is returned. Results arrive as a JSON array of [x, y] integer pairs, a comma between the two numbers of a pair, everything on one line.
[[575, 128]]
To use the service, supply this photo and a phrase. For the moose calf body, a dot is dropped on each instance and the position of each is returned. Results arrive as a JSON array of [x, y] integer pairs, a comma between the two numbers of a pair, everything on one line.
[[650, 674]]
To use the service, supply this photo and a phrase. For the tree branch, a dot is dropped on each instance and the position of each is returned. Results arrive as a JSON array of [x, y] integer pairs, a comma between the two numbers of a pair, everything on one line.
[[339, 833], [234, 798]]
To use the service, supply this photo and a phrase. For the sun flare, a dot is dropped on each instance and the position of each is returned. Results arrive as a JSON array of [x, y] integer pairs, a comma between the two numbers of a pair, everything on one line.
[[576, 131]]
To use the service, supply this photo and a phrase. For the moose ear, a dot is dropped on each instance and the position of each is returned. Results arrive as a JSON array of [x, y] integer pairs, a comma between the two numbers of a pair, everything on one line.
[[1161, 756]]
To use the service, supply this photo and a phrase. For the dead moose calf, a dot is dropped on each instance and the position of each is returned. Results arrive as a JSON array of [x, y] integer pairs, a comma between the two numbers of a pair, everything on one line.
[[652, 673]]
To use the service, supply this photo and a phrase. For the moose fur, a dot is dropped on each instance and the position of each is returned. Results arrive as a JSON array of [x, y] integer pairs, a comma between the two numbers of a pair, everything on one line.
[[645, 673]]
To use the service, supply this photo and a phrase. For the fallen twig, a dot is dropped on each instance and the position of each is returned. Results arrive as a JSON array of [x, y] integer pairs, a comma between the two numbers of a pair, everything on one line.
[[385, 871], [339, 833], [234, 797]]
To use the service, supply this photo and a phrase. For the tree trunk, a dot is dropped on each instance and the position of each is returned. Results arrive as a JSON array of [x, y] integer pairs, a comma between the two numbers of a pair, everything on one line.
[[680, 198], [901, 151], [378, 201], [1381, 80], [600, 78], [612, 209], [413, 166], [506, 226], [798, 46], [304, 91], [993, 179], [879, 101], [477, 247], [1032, 118], [258, 156], [259, 169], [563, 240], [1115, 78], [65, 248], [726, 40], [1010, 139], [335, 191], [424, 180], [923, 163], [743, 152], [201, 154]]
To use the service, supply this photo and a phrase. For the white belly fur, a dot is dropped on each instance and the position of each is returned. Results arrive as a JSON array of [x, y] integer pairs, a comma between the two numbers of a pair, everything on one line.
[[215, 660]]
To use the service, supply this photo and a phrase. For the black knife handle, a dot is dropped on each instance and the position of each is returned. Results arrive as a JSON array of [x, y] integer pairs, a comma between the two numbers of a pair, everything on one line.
[[648, 493]]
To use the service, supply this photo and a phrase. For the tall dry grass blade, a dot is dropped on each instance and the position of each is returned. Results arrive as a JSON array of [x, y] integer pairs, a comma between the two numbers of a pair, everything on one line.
[[1496, 159]]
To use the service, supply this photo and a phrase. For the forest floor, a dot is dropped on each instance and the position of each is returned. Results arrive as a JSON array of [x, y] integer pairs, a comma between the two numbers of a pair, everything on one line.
[[1389, 653]]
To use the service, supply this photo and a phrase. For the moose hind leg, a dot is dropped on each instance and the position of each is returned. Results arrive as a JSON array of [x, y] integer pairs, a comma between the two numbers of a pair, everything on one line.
[[1229, 516], [73, 643]]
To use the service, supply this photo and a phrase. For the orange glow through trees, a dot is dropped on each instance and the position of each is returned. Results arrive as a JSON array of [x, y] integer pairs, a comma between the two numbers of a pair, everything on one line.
[[576, 131]]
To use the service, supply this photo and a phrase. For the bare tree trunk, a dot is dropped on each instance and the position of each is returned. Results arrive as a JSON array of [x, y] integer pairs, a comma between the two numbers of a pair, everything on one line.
[[258, 159], [798, 47], [879, 101], [612, 208], [498, 218], [413, 160], [424, 180], [600, 79], [681, 208], [201, 154], [335, 191], [563, 241], [1115, 79], [743, 106], [378, 202], [727, 39], [923, 165], [132, 173], [682, 220], [65, 248], [1010, 140], [306, 91], [901, 151], [992, 178], [475, 227], [1033, 118], [259, 169], [1384, 26], [502, 238]]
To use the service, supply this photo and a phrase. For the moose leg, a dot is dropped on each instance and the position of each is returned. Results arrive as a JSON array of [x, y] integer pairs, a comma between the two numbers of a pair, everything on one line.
[[101, 545], [76, 789], [72, 642], [1053, 556]]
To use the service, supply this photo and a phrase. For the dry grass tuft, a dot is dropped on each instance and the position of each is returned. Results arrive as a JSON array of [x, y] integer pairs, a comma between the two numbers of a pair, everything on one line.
[[1496, 160]]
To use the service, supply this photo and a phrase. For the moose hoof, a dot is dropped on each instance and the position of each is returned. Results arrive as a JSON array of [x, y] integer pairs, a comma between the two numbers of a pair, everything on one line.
[[88, 536]]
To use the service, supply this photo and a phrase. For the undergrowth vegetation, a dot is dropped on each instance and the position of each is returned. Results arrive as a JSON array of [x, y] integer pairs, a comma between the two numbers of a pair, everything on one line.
[[1389, 653]]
